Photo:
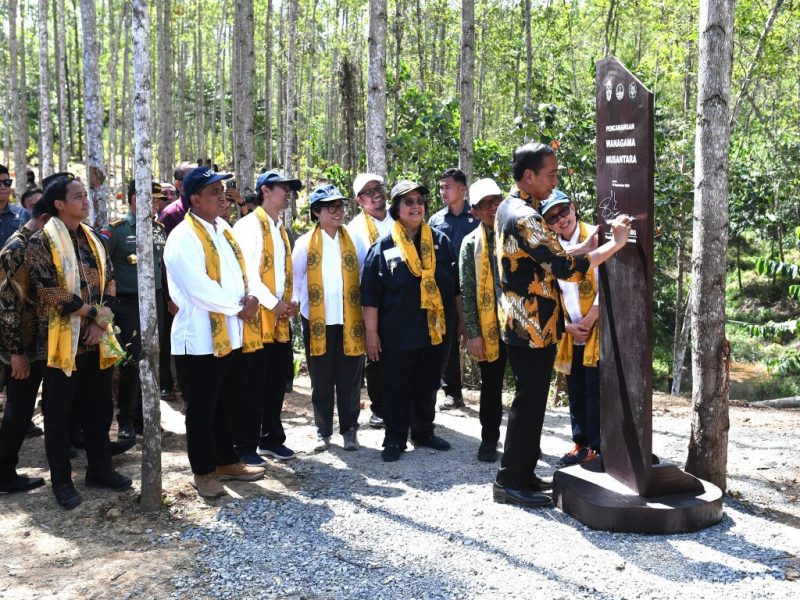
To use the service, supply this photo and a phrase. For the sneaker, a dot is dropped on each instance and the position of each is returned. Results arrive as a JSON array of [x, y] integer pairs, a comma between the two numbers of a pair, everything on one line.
[[434, 442], [376, 422], [280, 452], [452, 402], [575, 456], [322, 443], [391, 453], [351, 440], [20, 483], [239, 472], [110, 479], [208, 486], [487, 452], [66, 495], [253, 460], [126, 432], [34, 430]]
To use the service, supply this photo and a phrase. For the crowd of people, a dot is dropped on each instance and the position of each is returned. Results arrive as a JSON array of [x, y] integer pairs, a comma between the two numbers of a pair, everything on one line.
[[389, 297]]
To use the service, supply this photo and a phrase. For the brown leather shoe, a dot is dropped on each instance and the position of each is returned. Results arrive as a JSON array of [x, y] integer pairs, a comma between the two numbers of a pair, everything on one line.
[[208, 486], [239, 472]]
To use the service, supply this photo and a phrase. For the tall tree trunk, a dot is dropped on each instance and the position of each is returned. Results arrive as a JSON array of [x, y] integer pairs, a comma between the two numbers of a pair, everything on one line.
[[199, 87], [222, 31], [79, 121], [399, 11], [466, 147], [679, 350], [528, 54], [166, 130], [268, 89], [23, 81], [7, 101], [182, 136], [376, 89], [708, 445], [18, 107], [608, 28], [245, 76], [45, 116], [112, 109], [59, 30], [291, 108], [126, 61], [148, 364], [420, 45]]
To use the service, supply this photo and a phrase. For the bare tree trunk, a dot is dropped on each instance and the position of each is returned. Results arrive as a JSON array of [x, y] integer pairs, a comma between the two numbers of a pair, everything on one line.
[[399, 11], [420, 46], [18, 107], [466, 146], [376, 86], [23, 80], [79, 106], [291, 108], [166, 130], [347, 87], [708, 445], [199, 87], [148, 364], [182, 136], [528, 54], [45, 123], [609, 25], [281, 87], [268, 88], [112, 110], [679, 349], [221, 87], [7, 101], [243, 94], [59, 29]]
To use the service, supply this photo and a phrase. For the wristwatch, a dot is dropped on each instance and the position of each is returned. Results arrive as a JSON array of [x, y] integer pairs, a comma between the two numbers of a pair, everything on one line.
[[92, 313]]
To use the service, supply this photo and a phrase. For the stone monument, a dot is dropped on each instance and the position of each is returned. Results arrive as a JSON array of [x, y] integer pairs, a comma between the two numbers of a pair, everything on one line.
[[628, 489]]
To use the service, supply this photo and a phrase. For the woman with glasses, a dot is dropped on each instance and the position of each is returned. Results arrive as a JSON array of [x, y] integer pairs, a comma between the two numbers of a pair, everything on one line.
[[409, 291], [327, 266]]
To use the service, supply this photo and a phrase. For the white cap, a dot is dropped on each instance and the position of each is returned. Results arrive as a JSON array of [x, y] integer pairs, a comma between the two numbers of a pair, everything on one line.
[[363, 179], [482, 188]]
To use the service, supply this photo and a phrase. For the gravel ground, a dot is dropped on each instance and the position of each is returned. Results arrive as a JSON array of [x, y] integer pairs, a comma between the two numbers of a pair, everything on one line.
[[345, 525]]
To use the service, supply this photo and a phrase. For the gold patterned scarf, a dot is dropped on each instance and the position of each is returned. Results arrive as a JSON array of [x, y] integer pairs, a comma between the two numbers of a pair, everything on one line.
[[272, 329], [369, 224], [353, 330], [63, 331], [423, 267], [587, 290], [221, 339], [487, 306]]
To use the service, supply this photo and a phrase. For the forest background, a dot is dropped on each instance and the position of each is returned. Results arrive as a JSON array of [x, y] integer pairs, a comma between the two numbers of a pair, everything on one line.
[[303, 72]]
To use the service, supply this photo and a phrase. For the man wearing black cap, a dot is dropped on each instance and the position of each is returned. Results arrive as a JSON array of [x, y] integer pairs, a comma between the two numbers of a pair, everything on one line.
[[120, 237], [265, 245], [213, 329]]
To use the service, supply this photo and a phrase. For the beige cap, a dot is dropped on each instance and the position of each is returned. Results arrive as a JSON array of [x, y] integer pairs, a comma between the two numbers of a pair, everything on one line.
[[482, 188]]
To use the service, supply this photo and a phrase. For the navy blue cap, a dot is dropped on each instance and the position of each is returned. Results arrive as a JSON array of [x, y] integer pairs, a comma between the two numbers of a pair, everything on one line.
[[325, 193], [554, 199], [196, 179], [271, 177]]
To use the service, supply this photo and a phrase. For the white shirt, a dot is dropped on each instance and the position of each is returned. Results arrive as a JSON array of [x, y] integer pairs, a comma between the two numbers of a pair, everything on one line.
[[196, 294], [569, 290], [248, 234], [332, 281], [358, 230]]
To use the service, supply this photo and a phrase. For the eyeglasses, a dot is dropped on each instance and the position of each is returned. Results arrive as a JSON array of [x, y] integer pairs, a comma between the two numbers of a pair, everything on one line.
[[553, 219], [414, 201], [6, 182], [372, 192], [334, 208], [486, 205]]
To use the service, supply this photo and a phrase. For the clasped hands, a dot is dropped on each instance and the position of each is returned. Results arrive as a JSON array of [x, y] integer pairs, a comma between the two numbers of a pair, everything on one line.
[[97, 328]]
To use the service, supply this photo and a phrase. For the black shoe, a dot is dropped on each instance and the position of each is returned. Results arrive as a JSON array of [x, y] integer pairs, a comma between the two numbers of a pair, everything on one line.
[[66, 495], [110, 479], [487, 452], [167, 395], [34, 430], [521, 497], [20, 483], [434, 442], [376, 422], [452, 402], [289, 387], [73, 453], [539, 484], [122, 446], [126, 432], [391, 453]]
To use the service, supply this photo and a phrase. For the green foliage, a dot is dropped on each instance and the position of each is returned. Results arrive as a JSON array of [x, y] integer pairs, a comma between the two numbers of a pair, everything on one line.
[[787, 364]]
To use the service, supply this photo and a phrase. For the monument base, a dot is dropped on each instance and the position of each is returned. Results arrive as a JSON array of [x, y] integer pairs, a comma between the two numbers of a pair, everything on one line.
[[601, 502]]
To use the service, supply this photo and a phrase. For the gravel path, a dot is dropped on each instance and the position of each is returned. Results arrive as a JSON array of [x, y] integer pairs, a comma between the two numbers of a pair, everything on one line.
[[346, 525]]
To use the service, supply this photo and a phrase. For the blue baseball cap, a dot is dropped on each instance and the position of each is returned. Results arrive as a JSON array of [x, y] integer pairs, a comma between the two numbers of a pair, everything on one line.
[[271, 177], [554, 199], [325, 193], [198, 178]]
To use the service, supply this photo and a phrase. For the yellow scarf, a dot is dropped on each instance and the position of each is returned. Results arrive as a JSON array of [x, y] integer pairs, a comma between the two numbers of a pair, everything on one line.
[[372, 231], [63, 331], [423, 267], [487, 306], [272, 329], [221, 339], [353, 330], [587, 290]]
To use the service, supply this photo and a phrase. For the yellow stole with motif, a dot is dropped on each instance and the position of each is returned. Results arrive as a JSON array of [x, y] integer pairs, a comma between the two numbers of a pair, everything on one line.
[[221, 339], [63, 331], [487, 306], [587, 290], [424, 267], [369, 224], [353, 329], [272, 329]]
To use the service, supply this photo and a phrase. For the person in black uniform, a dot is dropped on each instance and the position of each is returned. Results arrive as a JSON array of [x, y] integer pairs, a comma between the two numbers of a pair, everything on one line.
[[408, 290]]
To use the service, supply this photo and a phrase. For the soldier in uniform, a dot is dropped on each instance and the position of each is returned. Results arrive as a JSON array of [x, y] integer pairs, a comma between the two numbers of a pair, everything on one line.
[[120, 237]]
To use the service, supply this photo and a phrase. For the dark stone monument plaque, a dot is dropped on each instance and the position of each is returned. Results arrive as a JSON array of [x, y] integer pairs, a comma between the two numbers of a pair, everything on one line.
[[616, 495]]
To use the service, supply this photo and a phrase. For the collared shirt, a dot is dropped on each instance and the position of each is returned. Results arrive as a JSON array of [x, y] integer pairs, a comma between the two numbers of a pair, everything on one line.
[[468, 280], [333, 282], [455, 227], [247, 231], [120, 237], [570, 294], [390, 286], [17, 307], [196, 294], [529, 260], [357, 230], [12, 218]]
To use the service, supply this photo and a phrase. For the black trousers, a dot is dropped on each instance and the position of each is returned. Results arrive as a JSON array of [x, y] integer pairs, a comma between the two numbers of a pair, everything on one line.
[[87, 392], [411, 380], [259, 420], [335, 379], [451, 376], [20, 402], [583, 387], [374, 373], [165, 355], [491, 406], [213, 398], [532, 369]]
